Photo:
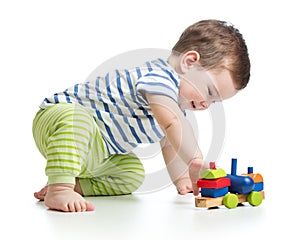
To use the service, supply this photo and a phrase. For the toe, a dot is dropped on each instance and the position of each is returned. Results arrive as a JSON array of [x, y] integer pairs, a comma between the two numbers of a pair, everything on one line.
[[89, 207], [71, 207], [79, 206]]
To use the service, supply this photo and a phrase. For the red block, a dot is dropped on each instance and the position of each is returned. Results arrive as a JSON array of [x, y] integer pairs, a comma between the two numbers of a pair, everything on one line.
[[214, 183]]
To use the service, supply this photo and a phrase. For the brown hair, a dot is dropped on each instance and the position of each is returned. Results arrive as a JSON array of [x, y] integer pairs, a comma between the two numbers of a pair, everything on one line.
[[220, 45]]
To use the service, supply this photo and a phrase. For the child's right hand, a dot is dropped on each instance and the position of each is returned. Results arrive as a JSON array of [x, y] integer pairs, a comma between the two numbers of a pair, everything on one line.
[[195, 166]]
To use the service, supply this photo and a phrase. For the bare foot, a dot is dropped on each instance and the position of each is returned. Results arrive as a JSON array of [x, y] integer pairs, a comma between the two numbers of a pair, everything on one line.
[[42, 193], [62, 197]]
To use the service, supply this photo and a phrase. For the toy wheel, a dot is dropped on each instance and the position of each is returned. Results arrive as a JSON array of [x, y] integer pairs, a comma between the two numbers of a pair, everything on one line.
[[255, 198], [230, 200]]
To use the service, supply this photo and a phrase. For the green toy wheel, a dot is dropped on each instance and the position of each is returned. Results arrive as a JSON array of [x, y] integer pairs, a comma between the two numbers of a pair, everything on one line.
[[255, 198], [230, 200]]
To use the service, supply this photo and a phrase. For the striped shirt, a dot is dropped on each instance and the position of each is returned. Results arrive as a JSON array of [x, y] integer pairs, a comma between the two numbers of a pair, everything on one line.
[[118, 104]]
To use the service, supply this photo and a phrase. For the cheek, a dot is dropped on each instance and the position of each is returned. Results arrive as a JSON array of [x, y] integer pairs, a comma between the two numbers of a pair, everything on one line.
[[197, 96]]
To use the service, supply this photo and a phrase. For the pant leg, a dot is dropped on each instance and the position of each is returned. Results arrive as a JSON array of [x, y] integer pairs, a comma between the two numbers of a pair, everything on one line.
[[70, 140], [63, 134], [117, 175]]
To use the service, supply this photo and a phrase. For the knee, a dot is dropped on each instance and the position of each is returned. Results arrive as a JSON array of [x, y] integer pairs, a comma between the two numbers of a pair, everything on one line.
[[130, 170], [128, 162]]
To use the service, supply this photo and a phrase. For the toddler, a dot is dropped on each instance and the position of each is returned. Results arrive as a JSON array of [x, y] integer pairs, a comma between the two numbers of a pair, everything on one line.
[[87, 132]]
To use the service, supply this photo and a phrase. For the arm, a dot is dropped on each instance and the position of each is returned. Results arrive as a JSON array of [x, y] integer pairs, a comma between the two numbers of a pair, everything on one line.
[[179, 134], [178, 170]]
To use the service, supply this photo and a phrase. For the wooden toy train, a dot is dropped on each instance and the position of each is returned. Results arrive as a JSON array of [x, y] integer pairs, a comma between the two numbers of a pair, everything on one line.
[[219, 188]]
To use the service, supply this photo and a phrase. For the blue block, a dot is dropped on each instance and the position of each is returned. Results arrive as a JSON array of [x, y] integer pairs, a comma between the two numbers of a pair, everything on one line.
[[240, 184], [233, 166], [259, 186], [214, 192]]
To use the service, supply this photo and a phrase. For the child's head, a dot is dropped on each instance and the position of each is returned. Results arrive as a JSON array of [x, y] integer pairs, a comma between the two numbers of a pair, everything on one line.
[[220, 46]]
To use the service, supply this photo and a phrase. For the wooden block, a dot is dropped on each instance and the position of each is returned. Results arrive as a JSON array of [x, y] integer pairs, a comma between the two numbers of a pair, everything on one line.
[[205, 202], [213, 173], [214, 192], [258, 186], [213, 183], [257, 177]]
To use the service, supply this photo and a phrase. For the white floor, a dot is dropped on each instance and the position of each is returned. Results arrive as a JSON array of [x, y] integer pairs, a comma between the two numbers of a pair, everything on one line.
[[159, 215]]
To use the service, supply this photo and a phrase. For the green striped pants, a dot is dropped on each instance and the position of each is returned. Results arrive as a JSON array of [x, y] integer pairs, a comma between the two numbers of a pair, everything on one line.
[[70, 140]]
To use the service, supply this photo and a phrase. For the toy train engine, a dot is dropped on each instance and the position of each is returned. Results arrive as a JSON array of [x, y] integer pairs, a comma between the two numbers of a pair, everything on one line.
[[219, 188]]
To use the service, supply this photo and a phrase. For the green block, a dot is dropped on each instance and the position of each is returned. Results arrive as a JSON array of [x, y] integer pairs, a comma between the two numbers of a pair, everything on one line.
[[255, 198], [213, 173], [230, 200]]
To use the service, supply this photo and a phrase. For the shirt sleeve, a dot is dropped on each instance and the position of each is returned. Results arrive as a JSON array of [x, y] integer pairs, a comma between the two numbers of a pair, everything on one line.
[[158, 83]]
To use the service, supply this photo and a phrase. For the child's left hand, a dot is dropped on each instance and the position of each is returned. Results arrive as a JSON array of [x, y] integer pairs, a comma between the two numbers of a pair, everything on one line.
[[184, 185]]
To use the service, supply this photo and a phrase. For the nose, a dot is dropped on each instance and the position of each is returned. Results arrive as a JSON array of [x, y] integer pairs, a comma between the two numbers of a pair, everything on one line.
[[204, 105]]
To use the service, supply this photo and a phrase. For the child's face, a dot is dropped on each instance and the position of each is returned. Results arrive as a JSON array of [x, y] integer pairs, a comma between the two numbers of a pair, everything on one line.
[[199, 88]]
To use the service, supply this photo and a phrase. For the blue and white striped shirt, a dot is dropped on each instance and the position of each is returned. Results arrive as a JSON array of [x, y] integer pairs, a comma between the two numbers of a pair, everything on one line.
[[119, 106]]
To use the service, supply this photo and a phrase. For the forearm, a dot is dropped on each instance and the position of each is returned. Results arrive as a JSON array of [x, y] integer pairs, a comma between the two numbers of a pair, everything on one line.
[[176, 167], [181, 136], [187, 152]]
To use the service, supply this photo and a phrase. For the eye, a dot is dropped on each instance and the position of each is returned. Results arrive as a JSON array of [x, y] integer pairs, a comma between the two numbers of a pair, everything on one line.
[[209, 92]]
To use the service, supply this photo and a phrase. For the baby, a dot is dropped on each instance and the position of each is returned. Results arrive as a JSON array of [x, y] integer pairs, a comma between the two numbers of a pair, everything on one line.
[[87, 132]]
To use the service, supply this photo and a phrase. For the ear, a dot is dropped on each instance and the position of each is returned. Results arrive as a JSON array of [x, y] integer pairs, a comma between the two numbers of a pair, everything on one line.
[[188, 60]]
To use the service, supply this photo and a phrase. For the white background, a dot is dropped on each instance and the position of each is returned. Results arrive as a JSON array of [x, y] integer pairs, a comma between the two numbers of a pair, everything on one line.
[[47, 46]]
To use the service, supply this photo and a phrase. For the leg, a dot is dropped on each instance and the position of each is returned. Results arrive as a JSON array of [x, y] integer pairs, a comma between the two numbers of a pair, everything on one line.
[[120, 174], [62, 133], [117, 175], [42, 193]]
